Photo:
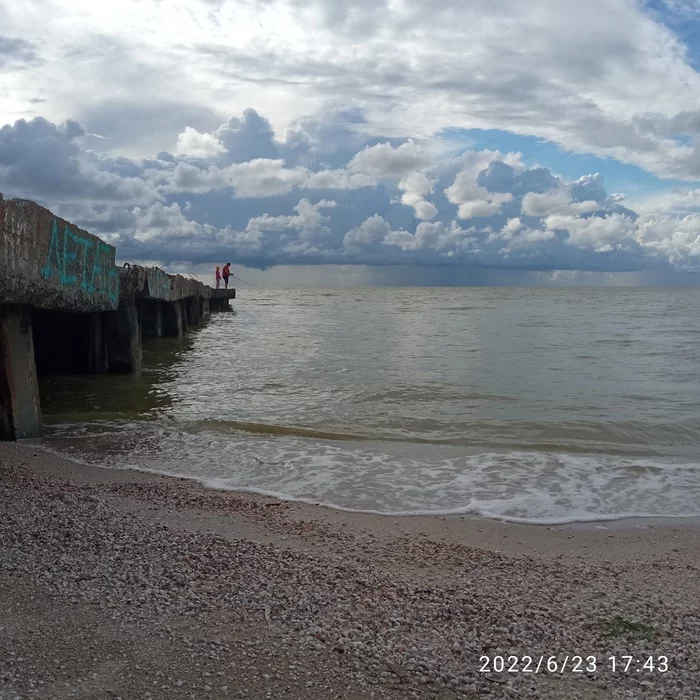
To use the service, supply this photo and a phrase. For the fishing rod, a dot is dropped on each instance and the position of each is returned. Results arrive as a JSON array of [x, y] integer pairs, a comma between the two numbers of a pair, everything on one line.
[[240, 280]]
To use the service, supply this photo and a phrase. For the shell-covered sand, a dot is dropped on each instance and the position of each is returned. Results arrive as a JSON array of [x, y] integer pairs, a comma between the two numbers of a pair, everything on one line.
[[118, 584]]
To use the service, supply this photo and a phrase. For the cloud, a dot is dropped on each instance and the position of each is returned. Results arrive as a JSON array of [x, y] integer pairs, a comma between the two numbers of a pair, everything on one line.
[[261, 177], [354, 104], [265, 178], [40, 159], [388, 202], [307, 223], [17, 53], [608, 77], [130, 125], [150, 223], [246, 138], [555, 202], [685, 8], [596, 233], [197, 145], [383, 160], [370, 232], [416, 186], [474, 200], [444, 240]]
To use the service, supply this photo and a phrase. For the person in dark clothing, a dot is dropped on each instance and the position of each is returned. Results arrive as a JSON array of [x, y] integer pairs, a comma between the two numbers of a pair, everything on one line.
[[226, 273]]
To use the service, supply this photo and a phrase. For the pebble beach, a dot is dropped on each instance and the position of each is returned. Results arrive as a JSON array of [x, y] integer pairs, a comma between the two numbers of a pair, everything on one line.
[[122, 584]]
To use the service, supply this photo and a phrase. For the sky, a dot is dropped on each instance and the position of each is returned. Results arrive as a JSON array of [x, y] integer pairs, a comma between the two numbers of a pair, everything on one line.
[[511, 140]]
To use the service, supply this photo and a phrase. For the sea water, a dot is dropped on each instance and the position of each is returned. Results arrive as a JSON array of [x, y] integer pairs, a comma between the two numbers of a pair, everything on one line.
[[528, 404]]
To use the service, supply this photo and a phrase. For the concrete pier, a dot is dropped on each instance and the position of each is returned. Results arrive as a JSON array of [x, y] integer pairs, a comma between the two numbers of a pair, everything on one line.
[[172, 319], [66, 307], [183, 315], [20, 413], [123, 332], [219, 299], [192, 305], [151, 318]]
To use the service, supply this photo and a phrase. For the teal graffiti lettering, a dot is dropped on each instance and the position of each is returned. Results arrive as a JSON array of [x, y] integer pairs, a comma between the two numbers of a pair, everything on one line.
[[63, 260], [53, 259], [69, 255], [113, 285], [164, 284], [98, 269], [159, 284], [86, 282]]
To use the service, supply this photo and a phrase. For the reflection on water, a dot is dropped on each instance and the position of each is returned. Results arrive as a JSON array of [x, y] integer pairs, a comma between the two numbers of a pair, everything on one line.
[[539, 404], [141, 396]]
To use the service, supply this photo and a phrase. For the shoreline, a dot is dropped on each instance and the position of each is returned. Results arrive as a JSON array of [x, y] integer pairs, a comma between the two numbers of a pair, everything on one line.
[[123, 583], [588, 539], [622, 522]]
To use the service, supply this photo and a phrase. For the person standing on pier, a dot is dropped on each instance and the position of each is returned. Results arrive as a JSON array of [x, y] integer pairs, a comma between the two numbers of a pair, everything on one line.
[[226, 273], [218, 276]]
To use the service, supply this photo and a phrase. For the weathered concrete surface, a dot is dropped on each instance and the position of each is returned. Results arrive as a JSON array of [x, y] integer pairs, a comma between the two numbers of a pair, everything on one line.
[[66, 307], [137, 282], [132, 279], [51, 264], [223, 294], [167, 304], [20, 412], [219, 299]]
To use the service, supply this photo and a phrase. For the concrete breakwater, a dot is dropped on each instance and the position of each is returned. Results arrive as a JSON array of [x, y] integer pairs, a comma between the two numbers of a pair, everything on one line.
[[66, 307]]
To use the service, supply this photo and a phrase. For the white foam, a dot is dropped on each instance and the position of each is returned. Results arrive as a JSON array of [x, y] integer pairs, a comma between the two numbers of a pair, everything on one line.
[[402, 480]]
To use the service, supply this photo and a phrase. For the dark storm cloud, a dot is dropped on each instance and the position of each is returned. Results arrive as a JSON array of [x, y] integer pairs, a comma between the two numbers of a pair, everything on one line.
[[41, 159]]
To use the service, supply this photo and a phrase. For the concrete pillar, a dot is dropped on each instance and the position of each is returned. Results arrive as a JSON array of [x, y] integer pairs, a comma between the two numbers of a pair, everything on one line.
[[20, 411], [123, 338], [172, 318], [192, 306], [183, 314], [205, 306], [152, 319]]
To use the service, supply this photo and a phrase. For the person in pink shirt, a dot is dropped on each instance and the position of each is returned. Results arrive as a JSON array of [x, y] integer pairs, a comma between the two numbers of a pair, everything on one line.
[[218, 277]]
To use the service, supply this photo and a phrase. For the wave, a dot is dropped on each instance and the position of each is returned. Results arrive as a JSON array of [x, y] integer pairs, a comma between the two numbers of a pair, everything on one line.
[[526, 487], [232, 426], [622, 438], [419, 394]]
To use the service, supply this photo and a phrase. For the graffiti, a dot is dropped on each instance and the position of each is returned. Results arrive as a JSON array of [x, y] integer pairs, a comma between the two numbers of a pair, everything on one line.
[[72, 258], [158, 284]]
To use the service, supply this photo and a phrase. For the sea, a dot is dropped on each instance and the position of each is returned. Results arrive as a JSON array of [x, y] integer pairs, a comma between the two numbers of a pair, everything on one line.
[[535, 405]]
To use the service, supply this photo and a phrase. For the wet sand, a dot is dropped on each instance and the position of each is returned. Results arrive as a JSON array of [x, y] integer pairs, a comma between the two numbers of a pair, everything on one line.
[[165, 581]]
